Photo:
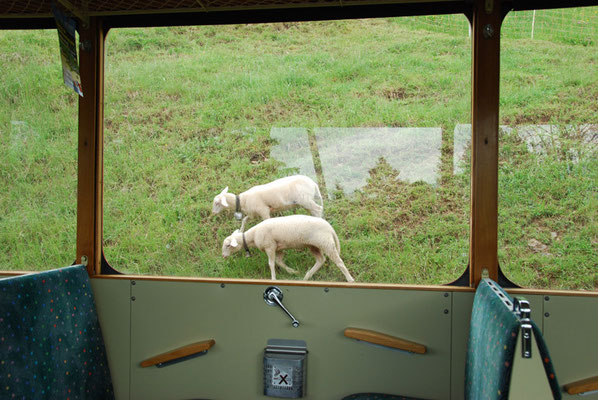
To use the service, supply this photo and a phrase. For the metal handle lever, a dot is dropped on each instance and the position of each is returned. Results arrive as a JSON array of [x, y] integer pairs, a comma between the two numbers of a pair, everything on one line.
[[273, 297]]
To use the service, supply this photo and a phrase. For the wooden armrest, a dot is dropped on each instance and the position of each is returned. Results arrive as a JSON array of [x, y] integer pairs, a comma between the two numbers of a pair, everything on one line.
[[385, 340], [181, 352], [582, 386]]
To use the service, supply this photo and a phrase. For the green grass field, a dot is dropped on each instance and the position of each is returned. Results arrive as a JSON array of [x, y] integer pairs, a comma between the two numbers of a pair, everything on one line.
[[567, 26], [189, 111]]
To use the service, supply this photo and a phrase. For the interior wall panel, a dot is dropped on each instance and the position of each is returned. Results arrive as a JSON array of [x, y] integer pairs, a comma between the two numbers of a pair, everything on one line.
[[112, 298], [571, 334], [168, 315]]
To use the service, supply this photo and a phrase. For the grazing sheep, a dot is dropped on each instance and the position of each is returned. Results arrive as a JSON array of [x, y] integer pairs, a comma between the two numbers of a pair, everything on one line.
[[292, 232], [279, 195]]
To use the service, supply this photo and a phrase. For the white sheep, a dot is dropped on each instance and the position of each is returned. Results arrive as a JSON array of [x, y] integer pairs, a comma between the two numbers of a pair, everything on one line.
[[291, 232], [281, 194]]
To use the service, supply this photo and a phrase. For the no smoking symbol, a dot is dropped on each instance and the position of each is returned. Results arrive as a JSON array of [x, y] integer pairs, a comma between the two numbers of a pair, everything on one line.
[[282, 377]]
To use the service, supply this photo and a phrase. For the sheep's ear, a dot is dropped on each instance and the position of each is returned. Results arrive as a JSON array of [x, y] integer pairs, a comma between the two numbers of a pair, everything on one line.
[[236, 231], [234, 243], [225, 190], [223, 201]]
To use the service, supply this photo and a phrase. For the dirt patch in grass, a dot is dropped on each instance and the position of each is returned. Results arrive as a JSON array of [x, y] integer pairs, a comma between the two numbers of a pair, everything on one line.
[[395, 94], [258, 157], [200, 134], [275, 111], [539, 117]]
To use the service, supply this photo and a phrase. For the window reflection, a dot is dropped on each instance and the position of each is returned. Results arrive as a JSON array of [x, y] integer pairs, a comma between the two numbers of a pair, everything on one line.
[[346, 155]]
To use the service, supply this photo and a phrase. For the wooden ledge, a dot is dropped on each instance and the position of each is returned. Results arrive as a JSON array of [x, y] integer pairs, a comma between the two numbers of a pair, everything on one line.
[[582, 386], [282, 282], [381, 339], [177, 354]]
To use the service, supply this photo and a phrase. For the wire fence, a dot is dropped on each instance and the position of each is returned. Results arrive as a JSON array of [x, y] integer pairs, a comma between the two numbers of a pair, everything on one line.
[[570, 25]]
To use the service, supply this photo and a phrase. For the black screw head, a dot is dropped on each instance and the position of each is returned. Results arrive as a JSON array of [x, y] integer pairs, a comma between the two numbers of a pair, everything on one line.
[[222, 285], [547, 315], [132, 298], [546, 298], [446, 311], [327, 290]]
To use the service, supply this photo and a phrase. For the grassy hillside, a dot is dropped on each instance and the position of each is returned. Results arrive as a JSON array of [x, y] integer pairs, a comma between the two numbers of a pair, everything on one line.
[[192, 110]]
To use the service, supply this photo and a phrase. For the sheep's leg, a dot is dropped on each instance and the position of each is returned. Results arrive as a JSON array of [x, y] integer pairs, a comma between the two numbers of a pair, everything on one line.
[[341, 265], [264, 212], [320, 260], [314, 208], [282, 265], [271, 253]]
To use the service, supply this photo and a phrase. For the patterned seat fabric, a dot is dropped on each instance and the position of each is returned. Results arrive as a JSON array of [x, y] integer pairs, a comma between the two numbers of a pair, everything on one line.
[[51, 346], [492, 340]]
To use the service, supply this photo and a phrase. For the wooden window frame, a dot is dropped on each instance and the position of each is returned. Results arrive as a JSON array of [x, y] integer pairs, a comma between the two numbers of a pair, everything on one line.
[[486, 18], [484, 176]]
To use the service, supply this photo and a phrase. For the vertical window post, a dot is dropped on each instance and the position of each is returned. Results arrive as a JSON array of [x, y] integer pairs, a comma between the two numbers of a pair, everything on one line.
[[487, 17], [90, 152]]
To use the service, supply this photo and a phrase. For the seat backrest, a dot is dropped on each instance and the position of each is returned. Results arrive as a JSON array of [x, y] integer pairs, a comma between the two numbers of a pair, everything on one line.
[[493, 335], [51, 345]]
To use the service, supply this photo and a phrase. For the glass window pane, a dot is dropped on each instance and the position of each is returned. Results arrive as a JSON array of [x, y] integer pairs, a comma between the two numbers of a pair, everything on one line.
[[38, 146], [548, 177], [371, 110]]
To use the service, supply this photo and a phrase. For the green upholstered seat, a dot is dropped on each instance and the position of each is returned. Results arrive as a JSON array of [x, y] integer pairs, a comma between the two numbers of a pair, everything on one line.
[[493, 337], [51, 345]]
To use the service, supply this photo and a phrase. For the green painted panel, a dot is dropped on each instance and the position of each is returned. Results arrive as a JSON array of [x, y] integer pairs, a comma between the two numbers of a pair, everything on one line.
[[528, 379], [168, 315], [112, 299], [462, 303], [571, 334]]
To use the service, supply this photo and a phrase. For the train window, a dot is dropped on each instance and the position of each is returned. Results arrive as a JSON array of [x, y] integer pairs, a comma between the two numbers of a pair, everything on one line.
[[548, 167], [38, 161], [372, 111]]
